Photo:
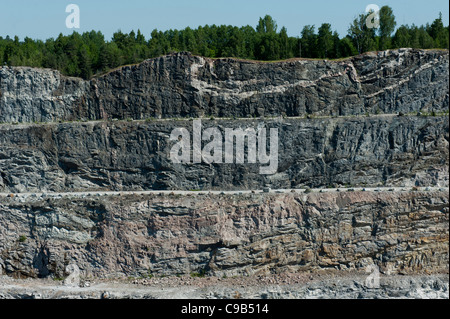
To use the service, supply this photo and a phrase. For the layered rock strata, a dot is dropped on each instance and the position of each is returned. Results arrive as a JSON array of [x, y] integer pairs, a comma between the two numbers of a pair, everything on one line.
[[345, 123], [248, 234], [182, 85]]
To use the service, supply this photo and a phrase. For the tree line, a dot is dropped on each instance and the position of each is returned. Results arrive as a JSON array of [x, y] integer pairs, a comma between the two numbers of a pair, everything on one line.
[[88, 54]]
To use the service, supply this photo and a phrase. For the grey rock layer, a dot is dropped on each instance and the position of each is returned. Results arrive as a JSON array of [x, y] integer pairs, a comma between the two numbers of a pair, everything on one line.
[[400, 232], [385, 150], [391, 287], [182, 85]]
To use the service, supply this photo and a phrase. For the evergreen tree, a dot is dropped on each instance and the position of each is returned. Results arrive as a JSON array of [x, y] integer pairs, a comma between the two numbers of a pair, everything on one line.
[[439, 33], [84, 63], [285, 49], [402, 38], [309, 42], [347, 48], [325, 40], [336, 51], [425, 40]]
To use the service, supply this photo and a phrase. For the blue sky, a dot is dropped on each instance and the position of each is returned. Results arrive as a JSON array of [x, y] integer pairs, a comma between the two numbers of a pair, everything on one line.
[[42, 19]]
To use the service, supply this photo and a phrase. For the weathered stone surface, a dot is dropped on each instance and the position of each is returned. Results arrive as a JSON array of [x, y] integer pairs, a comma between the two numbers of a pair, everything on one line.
[[385, 150], [401, 232], [39, 95], [182, 85], [349, 137], [267, 287]]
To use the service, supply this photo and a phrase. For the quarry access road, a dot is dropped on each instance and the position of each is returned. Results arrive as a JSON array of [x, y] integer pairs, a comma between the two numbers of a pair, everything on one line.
[[215, 192]]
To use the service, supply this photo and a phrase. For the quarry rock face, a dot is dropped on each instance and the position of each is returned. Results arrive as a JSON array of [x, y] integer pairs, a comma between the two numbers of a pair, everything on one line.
[[340, 124], [182, 85], [316, 153], [349, 137], [253, 234]]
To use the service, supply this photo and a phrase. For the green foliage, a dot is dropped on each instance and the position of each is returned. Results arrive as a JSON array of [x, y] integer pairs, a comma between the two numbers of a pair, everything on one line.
[[402, 38], [439, 33], [362, 36], [148, 275], [325, 40], [88, 54], [308, 42], [387, 26], [424, 37], [200, 274]]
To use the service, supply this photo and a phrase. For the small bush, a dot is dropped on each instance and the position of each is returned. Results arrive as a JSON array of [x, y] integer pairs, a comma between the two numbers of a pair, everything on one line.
[[200, 274]]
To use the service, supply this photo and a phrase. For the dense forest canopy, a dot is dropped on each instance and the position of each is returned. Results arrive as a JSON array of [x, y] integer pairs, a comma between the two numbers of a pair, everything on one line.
[[87, 54]]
